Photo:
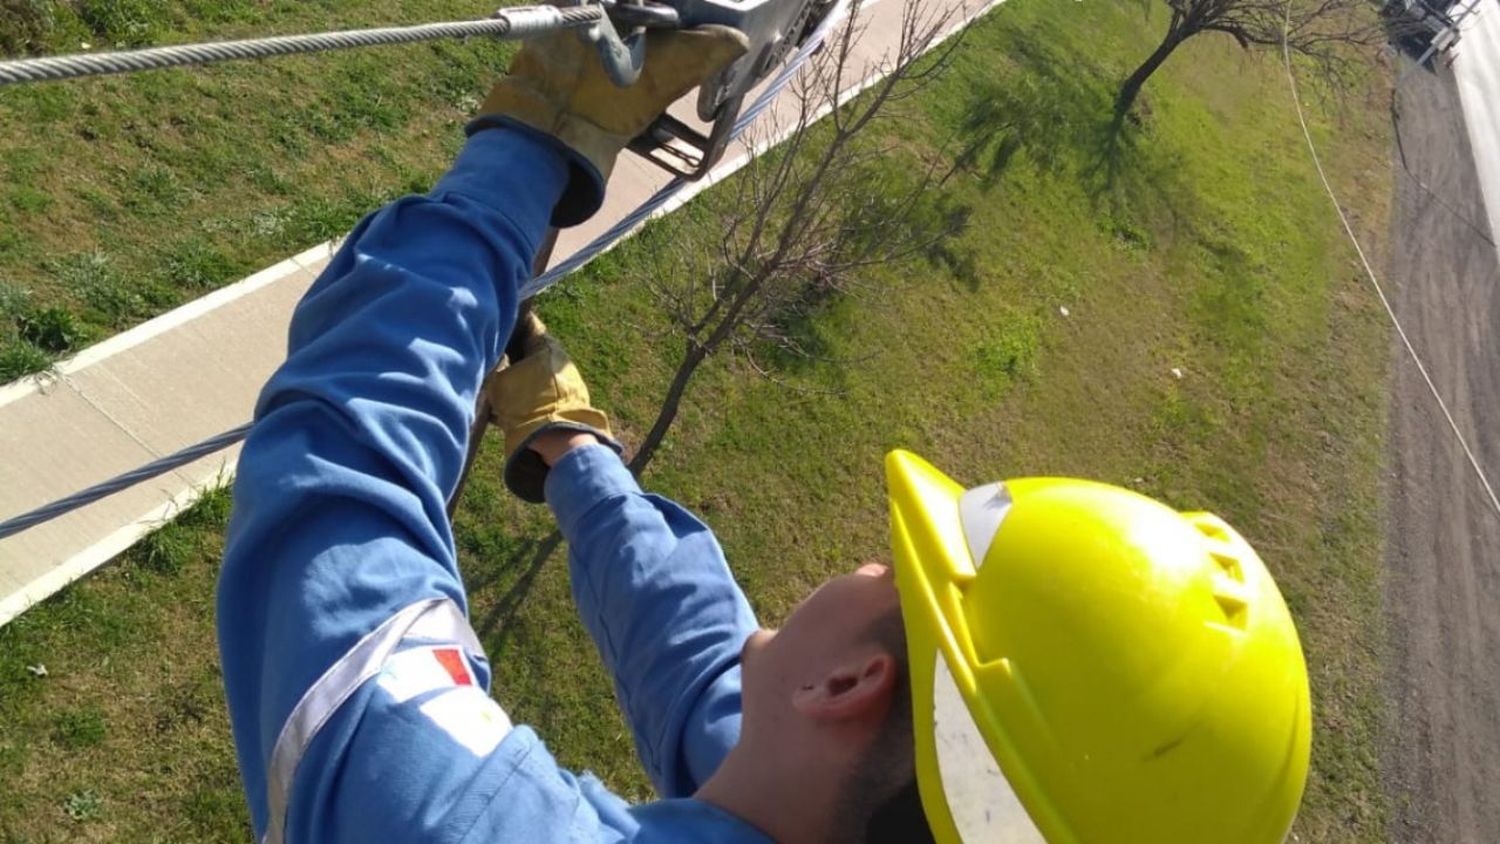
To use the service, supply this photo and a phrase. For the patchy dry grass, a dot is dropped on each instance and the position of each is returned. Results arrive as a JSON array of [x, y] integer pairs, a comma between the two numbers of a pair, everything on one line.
[[1199, 241]]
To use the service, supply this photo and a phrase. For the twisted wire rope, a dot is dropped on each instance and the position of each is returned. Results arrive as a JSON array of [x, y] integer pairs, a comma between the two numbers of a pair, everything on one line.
[[594, 248]]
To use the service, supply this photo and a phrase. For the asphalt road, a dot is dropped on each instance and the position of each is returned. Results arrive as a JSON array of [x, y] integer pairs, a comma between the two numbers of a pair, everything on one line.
[[1443, 588]]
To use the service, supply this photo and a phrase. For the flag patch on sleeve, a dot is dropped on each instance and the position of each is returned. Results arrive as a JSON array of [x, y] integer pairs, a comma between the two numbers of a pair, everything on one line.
[[452, 699], [416, 671], [469, 717]]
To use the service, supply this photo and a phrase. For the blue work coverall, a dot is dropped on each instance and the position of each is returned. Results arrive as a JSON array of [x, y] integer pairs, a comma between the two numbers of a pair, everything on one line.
[[358, 693]]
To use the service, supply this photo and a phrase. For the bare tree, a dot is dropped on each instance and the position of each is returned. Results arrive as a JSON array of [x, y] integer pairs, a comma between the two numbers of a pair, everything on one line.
[[789, 232], [801, 222], [1320, 29]]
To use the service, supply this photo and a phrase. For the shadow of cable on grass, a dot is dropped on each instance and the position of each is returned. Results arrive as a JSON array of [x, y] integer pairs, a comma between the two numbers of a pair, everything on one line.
[[525, 562]]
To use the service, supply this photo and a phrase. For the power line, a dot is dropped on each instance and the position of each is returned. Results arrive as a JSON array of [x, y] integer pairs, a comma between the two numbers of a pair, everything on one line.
[[1286, 53], [160, 466]]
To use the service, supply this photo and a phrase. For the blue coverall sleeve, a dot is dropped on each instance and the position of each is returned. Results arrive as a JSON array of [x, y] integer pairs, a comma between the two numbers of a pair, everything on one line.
[[339, 528], [657, 596]]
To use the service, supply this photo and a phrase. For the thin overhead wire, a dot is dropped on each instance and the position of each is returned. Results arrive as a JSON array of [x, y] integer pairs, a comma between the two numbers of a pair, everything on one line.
[[1484, 481]]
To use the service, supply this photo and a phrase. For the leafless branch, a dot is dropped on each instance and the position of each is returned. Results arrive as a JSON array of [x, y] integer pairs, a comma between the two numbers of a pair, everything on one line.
[[808, 219], [1326, 32]]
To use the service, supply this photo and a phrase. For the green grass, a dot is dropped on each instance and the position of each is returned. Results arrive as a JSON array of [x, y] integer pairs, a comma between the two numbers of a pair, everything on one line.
[[125, 737], [1200, 241], [181, 181], [78, 728]]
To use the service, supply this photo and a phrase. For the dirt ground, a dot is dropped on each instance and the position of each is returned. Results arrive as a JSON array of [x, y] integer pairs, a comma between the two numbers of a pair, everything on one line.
[[1443, 594]]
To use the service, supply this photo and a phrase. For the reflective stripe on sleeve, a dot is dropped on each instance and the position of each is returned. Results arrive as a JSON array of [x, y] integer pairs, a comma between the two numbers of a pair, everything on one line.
[[434, 618]]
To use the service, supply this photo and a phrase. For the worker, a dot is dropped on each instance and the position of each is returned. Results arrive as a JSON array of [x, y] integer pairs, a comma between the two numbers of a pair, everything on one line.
[[1045, 659]]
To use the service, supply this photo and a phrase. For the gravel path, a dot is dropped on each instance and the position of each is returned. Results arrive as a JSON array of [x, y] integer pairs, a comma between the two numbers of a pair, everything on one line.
[[1443, 591]]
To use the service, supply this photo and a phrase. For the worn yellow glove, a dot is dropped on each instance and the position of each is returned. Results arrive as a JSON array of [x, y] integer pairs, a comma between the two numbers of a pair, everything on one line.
[[543, 391], [557, 85]]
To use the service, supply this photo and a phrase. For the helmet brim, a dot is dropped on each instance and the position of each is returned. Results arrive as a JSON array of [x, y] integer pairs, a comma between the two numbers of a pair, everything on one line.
[[933, 565]]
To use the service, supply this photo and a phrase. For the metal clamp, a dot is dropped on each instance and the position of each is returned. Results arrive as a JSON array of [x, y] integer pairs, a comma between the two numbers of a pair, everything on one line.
[[683, 151], [773, 27], [622, 57]]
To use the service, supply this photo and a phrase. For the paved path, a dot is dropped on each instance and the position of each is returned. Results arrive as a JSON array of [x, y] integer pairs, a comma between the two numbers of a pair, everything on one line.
[[195, 372], [1443, 551]]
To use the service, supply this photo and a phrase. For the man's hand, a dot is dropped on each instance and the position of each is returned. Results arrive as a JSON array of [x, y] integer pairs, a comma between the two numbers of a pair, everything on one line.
[[553, 445], [557, 85], [535, 399]]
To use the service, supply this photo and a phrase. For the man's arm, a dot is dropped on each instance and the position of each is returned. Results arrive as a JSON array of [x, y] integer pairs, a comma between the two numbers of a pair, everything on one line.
[[356, 687], [658, 598], [339, 522]]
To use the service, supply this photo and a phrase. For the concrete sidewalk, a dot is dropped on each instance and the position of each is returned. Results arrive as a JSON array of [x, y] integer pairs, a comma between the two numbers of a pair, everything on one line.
[[195, 372]]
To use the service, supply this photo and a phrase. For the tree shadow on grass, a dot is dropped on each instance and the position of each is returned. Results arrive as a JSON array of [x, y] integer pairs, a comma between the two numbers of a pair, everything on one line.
[[1055, 112], [525, 562], [906, 226]]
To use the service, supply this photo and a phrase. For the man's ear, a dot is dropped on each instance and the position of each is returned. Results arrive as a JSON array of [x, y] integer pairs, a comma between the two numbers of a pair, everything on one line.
[[853, 690]]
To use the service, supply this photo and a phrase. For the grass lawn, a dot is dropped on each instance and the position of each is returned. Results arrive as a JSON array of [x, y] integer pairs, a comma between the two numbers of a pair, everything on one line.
[[121, 197], [1201, 243]]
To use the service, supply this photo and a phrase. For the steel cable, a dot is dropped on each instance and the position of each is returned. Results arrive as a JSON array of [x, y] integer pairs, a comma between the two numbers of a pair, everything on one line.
[[598, 245], [160, 466], [506, 24]]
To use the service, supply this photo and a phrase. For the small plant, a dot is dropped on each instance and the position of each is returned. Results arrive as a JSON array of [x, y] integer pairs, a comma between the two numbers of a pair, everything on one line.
[[267, 223], [316, 218], [27, 23], [1129, 235], [14, 301], [29, 200], [1008, 353], [167, 550], [78, 728], [91, 276], [83, 805], [154, 189], [127, 23], [20, 358], [197, 265], [210, 510], [52, 329]]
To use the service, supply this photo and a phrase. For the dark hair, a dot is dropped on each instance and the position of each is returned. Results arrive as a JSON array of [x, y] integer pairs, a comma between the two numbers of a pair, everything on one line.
[[900, 818], [881, 796]]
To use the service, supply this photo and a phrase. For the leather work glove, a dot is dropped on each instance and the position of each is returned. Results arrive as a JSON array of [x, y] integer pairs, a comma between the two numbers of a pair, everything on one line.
[[557, 85], [543, 391]]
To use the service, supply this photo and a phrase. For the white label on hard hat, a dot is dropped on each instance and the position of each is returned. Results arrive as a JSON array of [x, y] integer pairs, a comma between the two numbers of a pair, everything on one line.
[[980, 511], [983, 804]]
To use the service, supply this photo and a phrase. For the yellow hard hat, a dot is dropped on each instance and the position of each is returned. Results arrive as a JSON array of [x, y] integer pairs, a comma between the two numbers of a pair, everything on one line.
[[1088, 664]]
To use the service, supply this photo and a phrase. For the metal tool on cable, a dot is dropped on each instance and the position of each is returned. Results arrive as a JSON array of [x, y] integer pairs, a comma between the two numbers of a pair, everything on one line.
[[616, 27], [779, 32], [775, 28]]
